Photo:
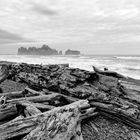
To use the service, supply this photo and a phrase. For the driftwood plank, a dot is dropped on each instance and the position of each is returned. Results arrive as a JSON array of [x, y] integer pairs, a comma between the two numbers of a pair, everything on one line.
[[10, 95], [38, 99]]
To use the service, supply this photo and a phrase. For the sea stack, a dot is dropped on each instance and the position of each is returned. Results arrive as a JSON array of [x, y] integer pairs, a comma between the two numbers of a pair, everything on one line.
[[72, 52], [60, 53], [44, 50]]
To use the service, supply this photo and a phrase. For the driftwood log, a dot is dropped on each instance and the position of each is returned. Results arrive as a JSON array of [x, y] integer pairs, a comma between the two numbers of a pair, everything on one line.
[[58, 123], [51, 86], [108, 73], [7, 112], [4, 72]]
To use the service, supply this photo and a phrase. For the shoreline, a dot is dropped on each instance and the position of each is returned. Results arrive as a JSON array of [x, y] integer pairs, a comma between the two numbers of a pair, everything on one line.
[[130, 79]]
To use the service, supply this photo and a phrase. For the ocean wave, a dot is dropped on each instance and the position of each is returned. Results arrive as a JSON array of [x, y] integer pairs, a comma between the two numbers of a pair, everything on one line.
[[128, 68], [133, 69], [128, 57]]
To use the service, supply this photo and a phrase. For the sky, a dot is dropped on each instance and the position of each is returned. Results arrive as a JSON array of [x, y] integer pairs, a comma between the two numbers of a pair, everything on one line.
[[91, 26]]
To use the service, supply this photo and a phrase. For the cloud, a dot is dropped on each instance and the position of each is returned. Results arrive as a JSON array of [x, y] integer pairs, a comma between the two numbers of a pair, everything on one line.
[[69, 22], [7, 37], [43, 10]]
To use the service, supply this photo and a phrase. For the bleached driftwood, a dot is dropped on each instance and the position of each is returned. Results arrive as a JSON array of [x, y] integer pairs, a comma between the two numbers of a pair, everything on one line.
[[58, 123]]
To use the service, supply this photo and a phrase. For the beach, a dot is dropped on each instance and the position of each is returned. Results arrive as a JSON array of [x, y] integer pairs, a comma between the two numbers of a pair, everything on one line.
[[98, 128]]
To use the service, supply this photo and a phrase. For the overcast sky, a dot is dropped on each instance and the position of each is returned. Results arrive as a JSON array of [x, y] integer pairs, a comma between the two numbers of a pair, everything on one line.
[[91, 26]]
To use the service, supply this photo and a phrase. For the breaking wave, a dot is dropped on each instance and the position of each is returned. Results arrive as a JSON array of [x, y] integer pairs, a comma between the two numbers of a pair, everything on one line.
[[129, 57]]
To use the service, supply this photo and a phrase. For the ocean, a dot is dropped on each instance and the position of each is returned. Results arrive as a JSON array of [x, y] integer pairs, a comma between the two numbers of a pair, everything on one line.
[[126, 65]]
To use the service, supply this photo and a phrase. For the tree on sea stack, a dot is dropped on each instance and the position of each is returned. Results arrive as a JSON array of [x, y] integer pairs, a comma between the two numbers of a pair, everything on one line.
[[44, 50], [22, 50]]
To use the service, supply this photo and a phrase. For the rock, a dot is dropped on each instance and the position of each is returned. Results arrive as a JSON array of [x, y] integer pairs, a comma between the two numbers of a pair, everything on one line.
[[44, 50], [60, 52], [72, 52]]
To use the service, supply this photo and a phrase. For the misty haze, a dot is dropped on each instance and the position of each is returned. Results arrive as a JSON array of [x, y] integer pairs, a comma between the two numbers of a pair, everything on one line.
[[92, 26]]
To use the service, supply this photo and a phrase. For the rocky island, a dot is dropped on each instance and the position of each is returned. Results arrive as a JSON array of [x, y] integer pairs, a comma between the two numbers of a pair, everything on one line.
[[72, 52], [44, 50]]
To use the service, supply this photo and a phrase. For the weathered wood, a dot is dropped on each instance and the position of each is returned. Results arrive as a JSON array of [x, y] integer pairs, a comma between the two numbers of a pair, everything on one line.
[[17, 127], [110, 94], [108, 73], [40, 106], [58, 123], [2, 100], [19, 94], [36, 99], [53, 98], [43, 107], [62, 124], [131, 83], [131, 89], [128, 115], [7, 112], [4, 72], [11, 95], [30, 109], [68, 98], [33, 92]]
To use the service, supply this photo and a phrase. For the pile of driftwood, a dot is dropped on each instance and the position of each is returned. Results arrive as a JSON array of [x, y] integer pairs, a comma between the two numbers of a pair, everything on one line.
[[58, 98]]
